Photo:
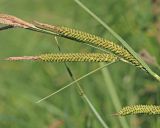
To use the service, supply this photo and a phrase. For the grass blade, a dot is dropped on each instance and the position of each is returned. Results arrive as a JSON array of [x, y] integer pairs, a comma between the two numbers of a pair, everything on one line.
[[95, 111]]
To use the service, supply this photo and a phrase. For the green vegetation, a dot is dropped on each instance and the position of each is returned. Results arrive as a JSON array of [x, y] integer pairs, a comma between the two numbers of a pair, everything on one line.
[[23, 83]]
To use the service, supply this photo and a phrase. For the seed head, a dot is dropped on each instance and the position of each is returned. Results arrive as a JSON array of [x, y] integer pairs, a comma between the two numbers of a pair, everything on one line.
[[78, 57], [139, 109], [69, 57], [91, 40]]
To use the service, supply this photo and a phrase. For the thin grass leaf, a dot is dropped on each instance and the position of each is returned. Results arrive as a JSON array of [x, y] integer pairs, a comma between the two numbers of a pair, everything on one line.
[[95, 111]]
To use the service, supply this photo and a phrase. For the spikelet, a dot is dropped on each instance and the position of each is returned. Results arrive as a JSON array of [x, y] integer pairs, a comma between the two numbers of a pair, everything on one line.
[[139, 109], [70, 57], [79, 57], [92, 40]]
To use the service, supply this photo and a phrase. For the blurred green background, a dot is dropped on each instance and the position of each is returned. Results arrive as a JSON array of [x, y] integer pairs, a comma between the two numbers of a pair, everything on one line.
[[23, 83]]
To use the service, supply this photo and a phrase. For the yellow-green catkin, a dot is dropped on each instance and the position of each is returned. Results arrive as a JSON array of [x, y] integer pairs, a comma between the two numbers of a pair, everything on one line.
[[91, 40], [78, 57], [139, 109]]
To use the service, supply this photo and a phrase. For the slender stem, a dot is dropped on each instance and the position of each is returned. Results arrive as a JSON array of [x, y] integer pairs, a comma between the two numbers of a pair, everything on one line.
[[120, 39], [94, 111], [42, 31]]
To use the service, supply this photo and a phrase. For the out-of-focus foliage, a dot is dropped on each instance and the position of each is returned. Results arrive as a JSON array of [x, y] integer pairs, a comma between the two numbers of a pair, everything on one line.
[[23, 83]]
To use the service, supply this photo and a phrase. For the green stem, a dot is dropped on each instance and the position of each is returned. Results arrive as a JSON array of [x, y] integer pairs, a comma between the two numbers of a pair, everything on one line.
[[42, 31], [94, 111]]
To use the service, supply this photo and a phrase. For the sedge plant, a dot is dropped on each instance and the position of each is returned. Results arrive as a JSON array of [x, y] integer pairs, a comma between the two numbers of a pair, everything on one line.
[[115, 53]]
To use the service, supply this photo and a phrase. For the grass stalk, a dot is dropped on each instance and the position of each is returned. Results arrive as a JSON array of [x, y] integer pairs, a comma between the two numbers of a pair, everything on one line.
[[95, 111]]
